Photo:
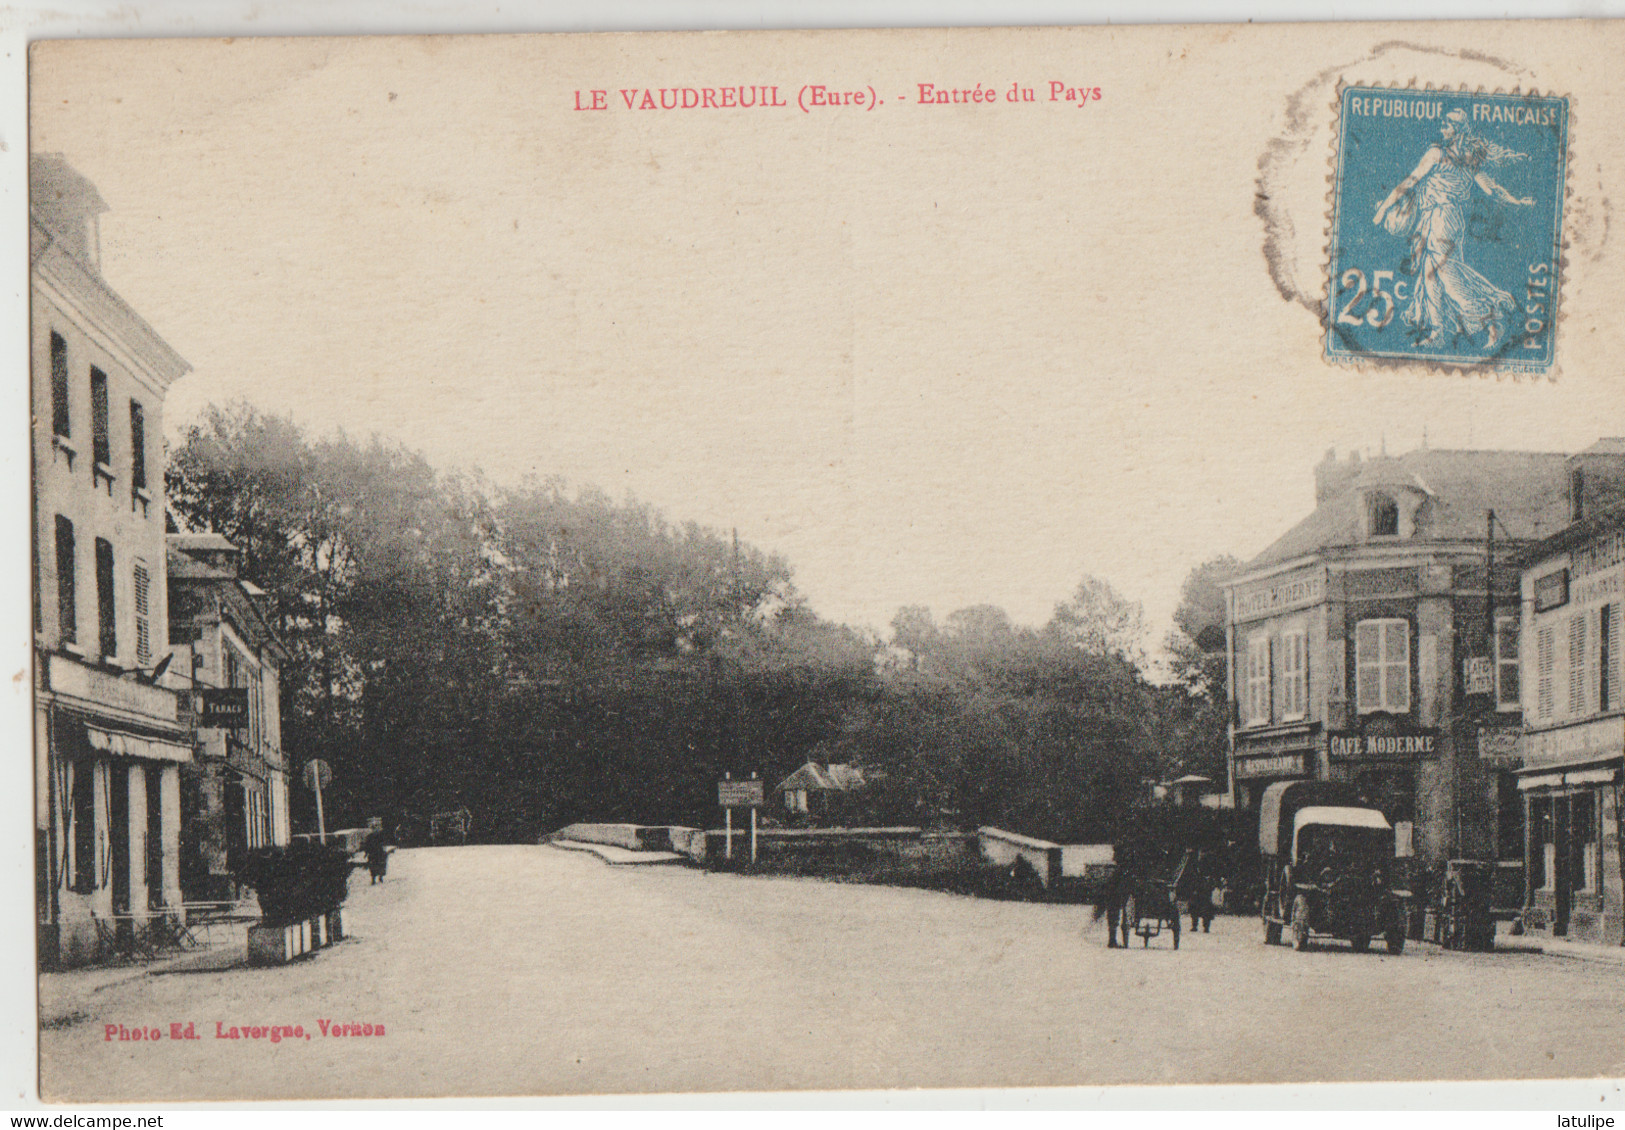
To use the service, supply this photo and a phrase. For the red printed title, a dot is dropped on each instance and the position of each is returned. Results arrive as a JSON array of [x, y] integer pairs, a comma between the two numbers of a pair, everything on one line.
[[819, 96]]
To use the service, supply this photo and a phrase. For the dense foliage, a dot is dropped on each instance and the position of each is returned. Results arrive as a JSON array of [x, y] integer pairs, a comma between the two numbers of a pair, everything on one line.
[[540, 656]]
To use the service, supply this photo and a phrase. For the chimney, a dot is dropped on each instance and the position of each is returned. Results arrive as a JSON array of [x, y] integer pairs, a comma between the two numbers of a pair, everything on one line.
[[68, 206], [1332, 477]]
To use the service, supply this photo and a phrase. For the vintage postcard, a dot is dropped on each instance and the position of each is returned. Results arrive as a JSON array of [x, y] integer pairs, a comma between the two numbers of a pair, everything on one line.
[[809, 561]]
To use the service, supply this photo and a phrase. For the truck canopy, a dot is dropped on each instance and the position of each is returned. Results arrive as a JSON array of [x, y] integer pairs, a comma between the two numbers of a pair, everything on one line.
[[1282, 801], [1338, 816]]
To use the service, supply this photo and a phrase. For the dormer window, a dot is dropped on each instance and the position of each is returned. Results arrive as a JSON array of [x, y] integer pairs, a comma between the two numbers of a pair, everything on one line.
[[1382, 516]]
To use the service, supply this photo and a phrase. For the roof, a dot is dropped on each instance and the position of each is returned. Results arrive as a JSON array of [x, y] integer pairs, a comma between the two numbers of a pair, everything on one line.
[[813, 777], [1527, 490], [1575, 535], [204, 541]]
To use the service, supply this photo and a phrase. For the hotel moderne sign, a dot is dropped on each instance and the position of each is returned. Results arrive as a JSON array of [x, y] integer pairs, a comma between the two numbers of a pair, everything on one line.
[[1298, 590]]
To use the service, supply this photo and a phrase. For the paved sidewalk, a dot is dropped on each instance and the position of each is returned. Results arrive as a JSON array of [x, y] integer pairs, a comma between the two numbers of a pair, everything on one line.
[[1561, 947], [71, 994]]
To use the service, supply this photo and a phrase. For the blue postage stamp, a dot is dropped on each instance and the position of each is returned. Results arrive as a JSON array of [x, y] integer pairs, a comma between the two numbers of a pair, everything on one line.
[[1447, 217]]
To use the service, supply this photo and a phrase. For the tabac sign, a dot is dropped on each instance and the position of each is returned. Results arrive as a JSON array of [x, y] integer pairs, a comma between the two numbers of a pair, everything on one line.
[[1282, 595], [224, 708]]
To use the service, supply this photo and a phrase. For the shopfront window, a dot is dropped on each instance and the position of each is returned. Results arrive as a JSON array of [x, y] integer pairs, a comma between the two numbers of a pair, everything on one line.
[[1542, 844], [1584, 832]]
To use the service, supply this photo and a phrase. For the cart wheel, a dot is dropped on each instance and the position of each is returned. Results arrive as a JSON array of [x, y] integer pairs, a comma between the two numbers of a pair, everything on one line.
[[1360, 942], [1396, 941], [1300, 923]]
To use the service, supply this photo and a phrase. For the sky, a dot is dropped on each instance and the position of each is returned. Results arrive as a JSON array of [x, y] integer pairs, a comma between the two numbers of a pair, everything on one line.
[[939, 355]]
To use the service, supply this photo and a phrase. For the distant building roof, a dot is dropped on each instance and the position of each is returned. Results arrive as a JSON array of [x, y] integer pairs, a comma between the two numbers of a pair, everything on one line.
[[187, 543], [1450, 491], [813, 777]]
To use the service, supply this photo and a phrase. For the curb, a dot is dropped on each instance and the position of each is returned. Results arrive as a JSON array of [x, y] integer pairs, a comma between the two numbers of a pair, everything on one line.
[[618, 856]]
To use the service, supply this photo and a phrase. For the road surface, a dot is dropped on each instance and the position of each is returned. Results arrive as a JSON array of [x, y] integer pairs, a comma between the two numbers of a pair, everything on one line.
[[529, 970]]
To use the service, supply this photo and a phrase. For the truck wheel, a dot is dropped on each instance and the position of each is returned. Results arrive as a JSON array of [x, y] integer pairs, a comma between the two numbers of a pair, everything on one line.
[[1360, 942], [1272, 933], [1300, 923], [1396, 941]]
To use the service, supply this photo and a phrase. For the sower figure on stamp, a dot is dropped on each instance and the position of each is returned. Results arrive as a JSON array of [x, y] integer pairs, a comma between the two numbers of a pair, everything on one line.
[[1448, 298]]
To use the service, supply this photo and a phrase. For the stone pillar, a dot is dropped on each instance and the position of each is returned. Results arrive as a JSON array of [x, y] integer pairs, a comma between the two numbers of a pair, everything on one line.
[[136, 774], [169, 795]]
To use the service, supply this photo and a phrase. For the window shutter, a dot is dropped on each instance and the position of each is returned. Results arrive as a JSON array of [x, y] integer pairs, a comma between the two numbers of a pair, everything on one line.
[[1593, 689], [1545, 662], [1577, 664], [1367, 665], [143, 618], [1397, 673]]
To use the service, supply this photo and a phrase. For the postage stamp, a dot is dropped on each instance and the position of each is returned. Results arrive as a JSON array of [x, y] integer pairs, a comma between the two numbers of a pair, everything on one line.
[[1447, 217]]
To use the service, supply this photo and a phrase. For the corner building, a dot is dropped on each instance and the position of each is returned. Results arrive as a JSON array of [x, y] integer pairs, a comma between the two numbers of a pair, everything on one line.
[[1377, 642], [109, 734], [1574, 742]]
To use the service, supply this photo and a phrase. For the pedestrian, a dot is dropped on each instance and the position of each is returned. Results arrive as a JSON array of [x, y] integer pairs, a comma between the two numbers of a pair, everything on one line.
[[377, 854], [1199, 893]]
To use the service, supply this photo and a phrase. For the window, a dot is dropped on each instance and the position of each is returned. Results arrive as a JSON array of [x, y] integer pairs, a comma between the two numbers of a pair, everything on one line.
[[138, 446], [101, 443], [1294, 674], [61, 418], [143, 615], [1382, 662], [107, 611], [1578, 667], [1507, 689], [1383, 516], [67, 602], [1545, 672], [1258, 680]]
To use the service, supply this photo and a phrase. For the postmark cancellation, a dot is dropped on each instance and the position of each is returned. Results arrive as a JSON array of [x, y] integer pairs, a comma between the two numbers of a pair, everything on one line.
[[1446, 228]]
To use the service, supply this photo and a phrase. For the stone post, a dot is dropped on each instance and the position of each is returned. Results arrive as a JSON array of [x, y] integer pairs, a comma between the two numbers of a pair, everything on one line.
[[136, 774], [169, 795]]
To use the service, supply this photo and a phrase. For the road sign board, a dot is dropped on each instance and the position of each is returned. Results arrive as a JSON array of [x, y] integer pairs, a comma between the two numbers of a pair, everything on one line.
[[739, 794], [318, 774]]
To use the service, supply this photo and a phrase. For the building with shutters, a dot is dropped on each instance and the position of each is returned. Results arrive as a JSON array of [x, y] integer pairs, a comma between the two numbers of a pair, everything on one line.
[[1378, 640], [1573, 746], [109, 733], [234, 795]]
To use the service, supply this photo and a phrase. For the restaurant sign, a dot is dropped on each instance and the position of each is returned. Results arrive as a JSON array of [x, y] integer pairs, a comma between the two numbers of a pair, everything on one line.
[[1274, 765], [1349, 746]]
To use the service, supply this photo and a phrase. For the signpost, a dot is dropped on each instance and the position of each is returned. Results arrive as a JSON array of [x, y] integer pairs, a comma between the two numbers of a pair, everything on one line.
[[732, 794], [318, 775]]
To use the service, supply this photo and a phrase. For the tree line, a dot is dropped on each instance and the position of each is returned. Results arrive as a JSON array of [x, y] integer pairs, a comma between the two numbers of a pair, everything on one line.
[[540, 655]]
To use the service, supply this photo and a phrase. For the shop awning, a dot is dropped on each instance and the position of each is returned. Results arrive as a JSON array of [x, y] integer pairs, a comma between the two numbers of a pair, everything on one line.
[[1589, 775], [117, 744]]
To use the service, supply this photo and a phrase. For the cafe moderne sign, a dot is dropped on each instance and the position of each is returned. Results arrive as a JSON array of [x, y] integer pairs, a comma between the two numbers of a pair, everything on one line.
[[1346, 745]]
